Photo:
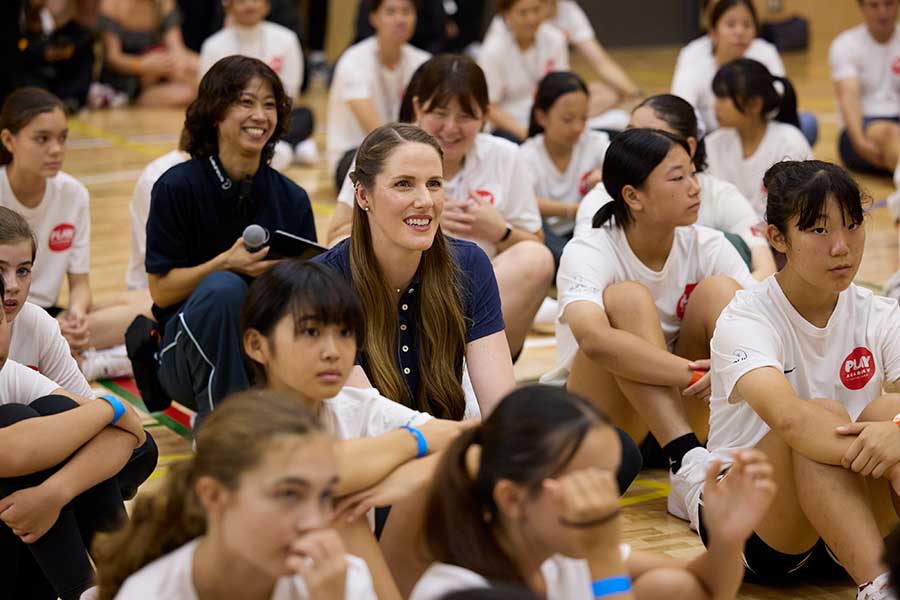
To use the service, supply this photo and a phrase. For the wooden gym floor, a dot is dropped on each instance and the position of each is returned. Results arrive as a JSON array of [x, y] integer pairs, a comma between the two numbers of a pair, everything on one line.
[[108, 150]]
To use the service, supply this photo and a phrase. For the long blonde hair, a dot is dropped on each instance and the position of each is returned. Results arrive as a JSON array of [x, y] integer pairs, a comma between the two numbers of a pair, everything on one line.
[[442, 327], [233, 440]]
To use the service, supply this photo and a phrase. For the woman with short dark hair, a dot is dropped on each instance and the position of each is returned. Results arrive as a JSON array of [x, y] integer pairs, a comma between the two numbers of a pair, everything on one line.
[[197, 263]]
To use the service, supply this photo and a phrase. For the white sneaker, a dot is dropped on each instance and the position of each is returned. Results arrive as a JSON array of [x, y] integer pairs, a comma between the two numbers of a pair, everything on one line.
[[283, 156], [92, 593], [684, 497], [108, 363], [878, 589], [546, 314], [306, 153]]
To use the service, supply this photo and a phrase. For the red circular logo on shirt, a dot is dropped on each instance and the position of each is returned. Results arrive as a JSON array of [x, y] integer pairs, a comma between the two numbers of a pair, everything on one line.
[[484, 196], [276, 62], [857, 369], [61, 237], [895, 66], [683, 301]]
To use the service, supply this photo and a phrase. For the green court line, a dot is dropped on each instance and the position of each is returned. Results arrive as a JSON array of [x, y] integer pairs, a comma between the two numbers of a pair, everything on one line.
[[161, 418]]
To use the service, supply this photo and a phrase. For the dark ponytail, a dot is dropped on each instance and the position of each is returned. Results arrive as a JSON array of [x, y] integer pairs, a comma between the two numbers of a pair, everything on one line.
[[680, 116], [532, 434], [744, 79], [631, 157], [550, 88]]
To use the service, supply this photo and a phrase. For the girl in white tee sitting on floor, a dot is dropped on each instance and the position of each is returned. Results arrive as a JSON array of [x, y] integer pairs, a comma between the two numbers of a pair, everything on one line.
[[35, 338], [639, 298], [563, 155], [518, 50], [528, 498], [722, 206], [250, 35], [369, 80], [301, 326], [33, 131], [489, 190], [757, 113], [798, 368], [248, 516]]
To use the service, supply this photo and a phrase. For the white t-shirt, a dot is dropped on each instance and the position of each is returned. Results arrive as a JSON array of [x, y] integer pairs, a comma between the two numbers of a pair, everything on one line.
[[847, 361], [726, 158], [136, 275], [566, 579], [495, 170], [171, 577], [36, 342], [568, 186], [722, 207], [62, 226], [696, 68], [21, 385], [593, 262], [513, 74], [855, 53], [363, 412], [571, 20], [274, 44], [359, 75]]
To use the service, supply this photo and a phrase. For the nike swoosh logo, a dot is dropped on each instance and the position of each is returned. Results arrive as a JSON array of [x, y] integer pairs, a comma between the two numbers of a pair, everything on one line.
[[790, 370]]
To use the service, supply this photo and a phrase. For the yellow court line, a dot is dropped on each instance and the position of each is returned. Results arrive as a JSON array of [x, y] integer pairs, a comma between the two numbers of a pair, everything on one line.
[[661, 490]]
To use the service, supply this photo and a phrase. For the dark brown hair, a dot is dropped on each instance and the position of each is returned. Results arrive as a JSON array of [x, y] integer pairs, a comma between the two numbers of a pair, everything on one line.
[[20, 108], [304, 290], [533, 434], [376, 4], [219, 89], [452, 76], [442, 328], [14, 228], [505, 5], [722, 6], [233, 440]]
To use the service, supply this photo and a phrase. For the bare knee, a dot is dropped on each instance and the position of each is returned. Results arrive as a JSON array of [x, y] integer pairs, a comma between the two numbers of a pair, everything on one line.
[[668, 582], [628, 298], [717, 286], [534, 260]]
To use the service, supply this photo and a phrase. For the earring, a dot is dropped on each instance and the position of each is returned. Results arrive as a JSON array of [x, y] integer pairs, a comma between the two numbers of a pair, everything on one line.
[[365, 208]]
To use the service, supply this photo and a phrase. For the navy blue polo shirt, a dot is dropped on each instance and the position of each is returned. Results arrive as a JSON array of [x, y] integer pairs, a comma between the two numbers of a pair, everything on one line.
[[196, 213], [480, 295]]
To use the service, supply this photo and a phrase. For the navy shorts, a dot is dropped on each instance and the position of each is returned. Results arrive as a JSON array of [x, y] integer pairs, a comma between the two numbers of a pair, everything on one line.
[[849, 156]]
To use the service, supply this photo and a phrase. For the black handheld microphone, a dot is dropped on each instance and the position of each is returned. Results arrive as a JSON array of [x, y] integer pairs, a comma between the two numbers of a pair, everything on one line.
[[255, 237]]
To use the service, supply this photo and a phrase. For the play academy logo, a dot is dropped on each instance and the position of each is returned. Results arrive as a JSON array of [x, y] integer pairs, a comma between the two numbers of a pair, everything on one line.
[[857, 369], [61, 237]]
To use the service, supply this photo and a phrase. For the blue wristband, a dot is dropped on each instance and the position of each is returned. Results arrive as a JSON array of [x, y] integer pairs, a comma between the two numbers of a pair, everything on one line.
[[611, 586], [117, 406], [421, 442]]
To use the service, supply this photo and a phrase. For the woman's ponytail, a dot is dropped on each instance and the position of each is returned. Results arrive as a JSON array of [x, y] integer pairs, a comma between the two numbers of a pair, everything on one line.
[[787, 107]]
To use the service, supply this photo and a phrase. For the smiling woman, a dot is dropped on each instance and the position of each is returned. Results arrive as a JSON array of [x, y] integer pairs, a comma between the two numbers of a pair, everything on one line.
[[197, 263]]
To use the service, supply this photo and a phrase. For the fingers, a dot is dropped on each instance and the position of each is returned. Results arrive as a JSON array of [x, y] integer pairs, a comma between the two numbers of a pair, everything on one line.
[[712, 474], [851, 428], [701, 388], [702, 364], [852, 452]]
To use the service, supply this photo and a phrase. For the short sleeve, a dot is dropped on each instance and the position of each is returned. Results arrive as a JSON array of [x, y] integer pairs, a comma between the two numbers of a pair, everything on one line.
[[359, 584], [167, 233], [292, 71], [584, 273], [841, 59], [79, 260], [345, 196], [889, 333], [354, 82], [21, 385], [385, 415], [481, 296], [579, 28], [742, 342], [56, 360], [525, 213], [493, 68]]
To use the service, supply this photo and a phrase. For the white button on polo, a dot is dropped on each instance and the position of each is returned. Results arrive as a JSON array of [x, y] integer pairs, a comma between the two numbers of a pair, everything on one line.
[[402, 327], [406, 371], [404, 307], [406, 348]]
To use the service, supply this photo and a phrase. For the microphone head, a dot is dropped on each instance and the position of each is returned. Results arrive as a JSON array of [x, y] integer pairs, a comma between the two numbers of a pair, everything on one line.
[[255, 237]]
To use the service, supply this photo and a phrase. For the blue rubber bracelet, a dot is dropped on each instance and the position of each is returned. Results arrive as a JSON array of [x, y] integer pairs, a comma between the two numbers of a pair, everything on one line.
[[611, 586], [421, 442], [117, 406]]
